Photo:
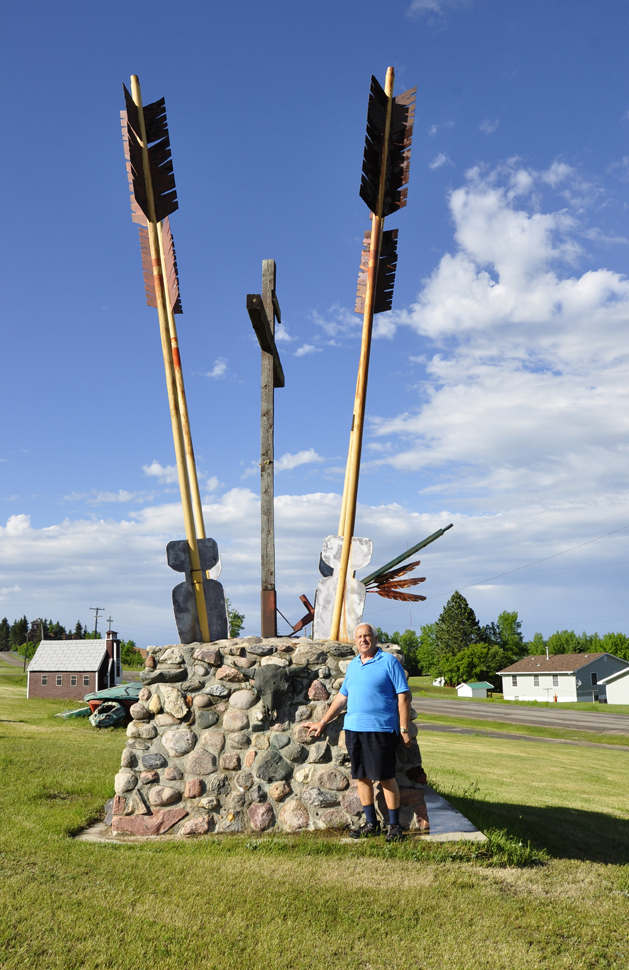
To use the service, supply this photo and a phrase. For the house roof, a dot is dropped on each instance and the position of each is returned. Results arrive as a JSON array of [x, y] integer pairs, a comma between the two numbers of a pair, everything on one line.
[[477, 685], [68, 655], [616, 676], [559, 663]]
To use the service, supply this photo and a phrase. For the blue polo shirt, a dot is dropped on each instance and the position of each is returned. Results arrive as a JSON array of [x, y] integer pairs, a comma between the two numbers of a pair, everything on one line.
[[371, 689]]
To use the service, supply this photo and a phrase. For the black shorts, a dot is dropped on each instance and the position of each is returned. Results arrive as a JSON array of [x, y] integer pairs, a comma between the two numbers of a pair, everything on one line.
[[372, 753]]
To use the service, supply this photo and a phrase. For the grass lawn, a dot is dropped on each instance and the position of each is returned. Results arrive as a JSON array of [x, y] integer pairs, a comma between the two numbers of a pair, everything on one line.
[[294, 903]]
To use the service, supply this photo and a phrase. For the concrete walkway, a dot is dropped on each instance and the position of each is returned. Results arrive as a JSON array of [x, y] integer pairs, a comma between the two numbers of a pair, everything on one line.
[[557, 717]]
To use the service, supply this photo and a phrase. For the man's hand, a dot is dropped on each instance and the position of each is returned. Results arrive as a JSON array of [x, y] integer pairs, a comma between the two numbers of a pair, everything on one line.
[[315, 728], [406, 738]]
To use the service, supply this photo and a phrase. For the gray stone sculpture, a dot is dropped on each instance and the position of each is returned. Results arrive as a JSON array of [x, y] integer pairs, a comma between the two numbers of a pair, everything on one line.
[[272, 683], [360, 555], [184, 605]]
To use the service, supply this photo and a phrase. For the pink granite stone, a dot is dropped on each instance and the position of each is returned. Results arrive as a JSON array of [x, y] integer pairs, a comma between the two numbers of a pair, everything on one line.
[[261, 815], [154, 824], [317, 691], [194, 788]]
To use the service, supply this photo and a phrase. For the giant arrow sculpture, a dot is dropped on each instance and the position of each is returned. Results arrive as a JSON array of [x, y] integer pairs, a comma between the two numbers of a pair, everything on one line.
[[386, 165], [153, 200]]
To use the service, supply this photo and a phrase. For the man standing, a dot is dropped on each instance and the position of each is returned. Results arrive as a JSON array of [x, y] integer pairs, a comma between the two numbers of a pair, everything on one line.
[[377, 698]]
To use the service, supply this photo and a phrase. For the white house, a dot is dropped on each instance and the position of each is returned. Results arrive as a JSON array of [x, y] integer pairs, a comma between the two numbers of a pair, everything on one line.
[[561, 677], [476, 689], [617, 687]]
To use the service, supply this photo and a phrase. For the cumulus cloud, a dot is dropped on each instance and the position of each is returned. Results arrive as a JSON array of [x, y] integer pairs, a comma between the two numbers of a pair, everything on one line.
[[282, 334], [220, 368], [167, 474], [526, 387], [287, 462], [306, 349]]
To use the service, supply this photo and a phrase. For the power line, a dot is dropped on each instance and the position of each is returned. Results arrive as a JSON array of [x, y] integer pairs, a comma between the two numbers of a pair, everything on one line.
[[517, 569]]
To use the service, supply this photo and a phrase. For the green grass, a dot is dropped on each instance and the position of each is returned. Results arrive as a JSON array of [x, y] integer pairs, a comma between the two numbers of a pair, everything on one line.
[[550, 890], [530, 730]]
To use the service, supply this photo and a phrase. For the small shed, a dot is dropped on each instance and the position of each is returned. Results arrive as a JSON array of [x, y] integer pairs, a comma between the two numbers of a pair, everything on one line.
[[617, 687], [69, 669], [475, 689]]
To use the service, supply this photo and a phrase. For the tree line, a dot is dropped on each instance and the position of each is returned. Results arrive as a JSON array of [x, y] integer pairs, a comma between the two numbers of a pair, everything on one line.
[[457, 648], [23, 636]]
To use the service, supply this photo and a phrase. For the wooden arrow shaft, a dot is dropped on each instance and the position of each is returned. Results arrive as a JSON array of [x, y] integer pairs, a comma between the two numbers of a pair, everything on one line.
[[183, 405], [171, 382], [356, 437]]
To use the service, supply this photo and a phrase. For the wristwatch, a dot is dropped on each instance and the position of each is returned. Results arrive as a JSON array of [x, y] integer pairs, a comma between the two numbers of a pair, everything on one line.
[[404, 731]]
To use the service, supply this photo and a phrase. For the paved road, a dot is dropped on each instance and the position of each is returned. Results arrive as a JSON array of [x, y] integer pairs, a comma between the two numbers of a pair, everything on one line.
[[542, 717]]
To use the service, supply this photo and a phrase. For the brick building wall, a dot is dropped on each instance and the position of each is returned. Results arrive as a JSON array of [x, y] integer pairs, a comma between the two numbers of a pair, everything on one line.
[[66, 690]]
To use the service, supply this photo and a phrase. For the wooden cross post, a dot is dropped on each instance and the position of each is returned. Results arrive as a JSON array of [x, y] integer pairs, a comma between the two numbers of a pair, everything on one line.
[[264, 310]]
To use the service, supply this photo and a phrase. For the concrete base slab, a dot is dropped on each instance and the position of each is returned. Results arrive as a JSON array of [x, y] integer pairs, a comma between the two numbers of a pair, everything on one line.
[[447, 824]]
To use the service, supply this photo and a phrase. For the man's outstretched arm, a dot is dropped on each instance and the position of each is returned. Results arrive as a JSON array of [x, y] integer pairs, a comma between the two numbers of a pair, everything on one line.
[[338, 704]]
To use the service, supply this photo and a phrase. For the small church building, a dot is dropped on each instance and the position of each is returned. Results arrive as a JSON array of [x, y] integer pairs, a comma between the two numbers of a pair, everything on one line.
[[69, 669]]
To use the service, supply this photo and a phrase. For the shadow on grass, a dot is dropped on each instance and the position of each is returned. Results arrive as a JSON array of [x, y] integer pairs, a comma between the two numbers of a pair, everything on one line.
[[564, 832]]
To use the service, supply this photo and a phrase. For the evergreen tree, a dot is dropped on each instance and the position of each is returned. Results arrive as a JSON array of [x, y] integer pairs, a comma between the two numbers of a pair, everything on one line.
[[55, 631], [78, 631], [18, 633], [456, 628], [5, 630]]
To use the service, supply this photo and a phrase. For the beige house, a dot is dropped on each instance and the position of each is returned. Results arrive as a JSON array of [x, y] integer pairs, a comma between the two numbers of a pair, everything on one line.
[[562, 677], [617, 687]]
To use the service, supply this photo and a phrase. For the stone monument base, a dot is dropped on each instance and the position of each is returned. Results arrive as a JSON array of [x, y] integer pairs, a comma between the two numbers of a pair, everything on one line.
[[218, 743]]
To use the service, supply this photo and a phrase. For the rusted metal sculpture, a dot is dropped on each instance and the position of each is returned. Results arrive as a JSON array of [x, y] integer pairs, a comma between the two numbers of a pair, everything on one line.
[[153, 200], [386, 164]]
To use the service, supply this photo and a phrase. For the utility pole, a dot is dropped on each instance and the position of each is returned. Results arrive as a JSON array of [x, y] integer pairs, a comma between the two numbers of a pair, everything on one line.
[[97, 610], [264, 310]]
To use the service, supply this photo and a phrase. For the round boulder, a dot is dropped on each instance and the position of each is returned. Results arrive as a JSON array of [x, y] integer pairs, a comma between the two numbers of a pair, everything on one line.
[[179, 742]]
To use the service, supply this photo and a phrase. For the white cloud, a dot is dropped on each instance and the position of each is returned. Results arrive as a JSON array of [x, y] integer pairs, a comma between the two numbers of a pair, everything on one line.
[[418, 7], [440, 160], [282, 334], [432, 131], [220, 368], [306, 349], [167, 474], [211, 483], [489, 126], [287, 462], [338, 322], [8, 590], [526, 389], [95, 497]]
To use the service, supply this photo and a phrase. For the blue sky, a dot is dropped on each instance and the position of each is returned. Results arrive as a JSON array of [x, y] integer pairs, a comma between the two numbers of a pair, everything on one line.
[[498, 386]]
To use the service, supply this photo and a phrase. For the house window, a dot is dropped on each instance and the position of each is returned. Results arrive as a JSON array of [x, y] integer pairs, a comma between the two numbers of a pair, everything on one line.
[[44, 680], [555, 680], [594, 677], [535, 680], [73, 680], [86, 680], [59, 680], [514, 681]]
